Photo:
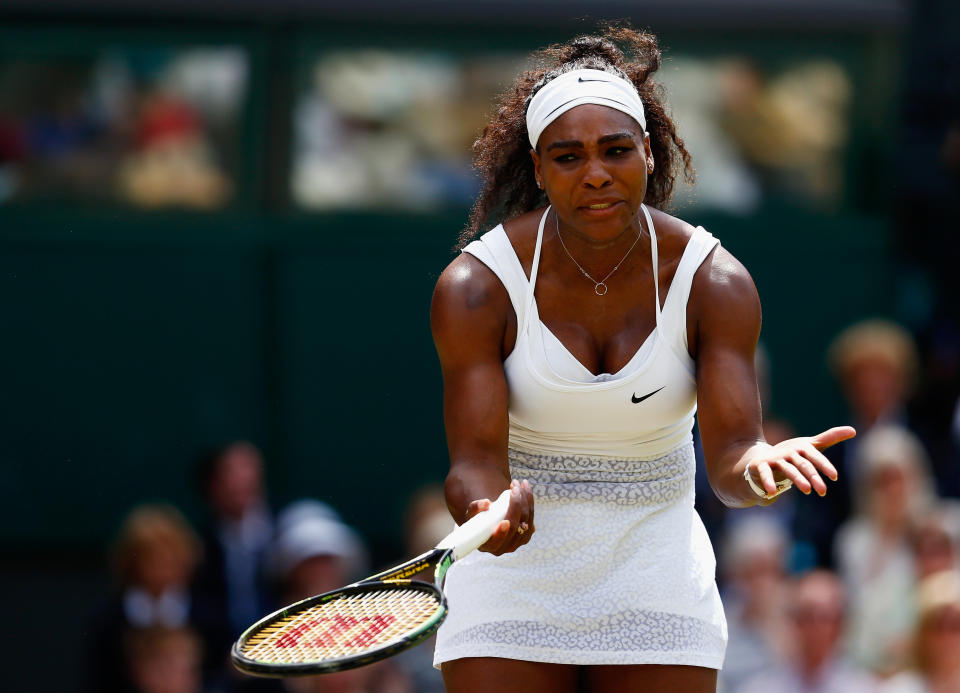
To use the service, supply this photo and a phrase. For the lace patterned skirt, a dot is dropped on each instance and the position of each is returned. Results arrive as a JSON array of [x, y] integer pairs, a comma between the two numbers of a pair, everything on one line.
[[619, 571]]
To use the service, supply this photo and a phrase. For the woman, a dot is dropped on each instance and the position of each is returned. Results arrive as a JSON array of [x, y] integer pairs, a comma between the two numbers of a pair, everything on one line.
[[155, 558], [873, 551], [936, 646], [576, 341]]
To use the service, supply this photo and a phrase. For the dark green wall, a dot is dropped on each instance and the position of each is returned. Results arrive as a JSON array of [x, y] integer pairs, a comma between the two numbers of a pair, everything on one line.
[[130, 346]]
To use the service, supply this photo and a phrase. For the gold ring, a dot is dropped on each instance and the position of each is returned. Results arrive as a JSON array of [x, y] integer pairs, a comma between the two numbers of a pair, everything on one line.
[[522, 528]]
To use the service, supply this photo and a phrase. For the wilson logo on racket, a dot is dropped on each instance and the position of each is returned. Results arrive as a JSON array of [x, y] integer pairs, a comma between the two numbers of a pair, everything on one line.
[[340, 627]]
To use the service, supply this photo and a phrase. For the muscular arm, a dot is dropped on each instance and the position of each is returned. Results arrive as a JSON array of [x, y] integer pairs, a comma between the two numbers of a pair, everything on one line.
[[727, 327], [469, 318]]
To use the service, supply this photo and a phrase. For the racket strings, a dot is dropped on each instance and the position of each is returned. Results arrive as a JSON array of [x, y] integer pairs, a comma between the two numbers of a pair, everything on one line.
[[342, 627]]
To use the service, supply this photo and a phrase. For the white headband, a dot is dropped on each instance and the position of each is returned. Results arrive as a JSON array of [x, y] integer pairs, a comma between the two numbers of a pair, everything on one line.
[[576, 88]]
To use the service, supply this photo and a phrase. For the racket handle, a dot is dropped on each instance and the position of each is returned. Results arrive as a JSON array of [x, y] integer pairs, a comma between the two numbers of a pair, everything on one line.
[[475, 531]]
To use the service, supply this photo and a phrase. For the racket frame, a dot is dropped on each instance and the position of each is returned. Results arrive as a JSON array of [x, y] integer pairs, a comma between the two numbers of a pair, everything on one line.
[[461, 541], [395, 578]]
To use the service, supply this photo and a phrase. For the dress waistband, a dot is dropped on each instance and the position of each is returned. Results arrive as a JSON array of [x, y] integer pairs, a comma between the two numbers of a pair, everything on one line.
[[588, 477]]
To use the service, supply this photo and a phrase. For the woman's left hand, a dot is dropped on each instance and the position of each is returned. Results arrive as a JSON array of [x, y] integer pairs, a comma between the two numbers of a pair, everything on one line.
[[797, 459]]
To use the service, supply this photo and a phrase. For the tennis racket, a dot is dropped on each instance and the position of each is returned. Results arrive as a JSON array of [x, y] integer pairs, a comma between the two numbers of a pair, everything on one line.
[[367, 621]]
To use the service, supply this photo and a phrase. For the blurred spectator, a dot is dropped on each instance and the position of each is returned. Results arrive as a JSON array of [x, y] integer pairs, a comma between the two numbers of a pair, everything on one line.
[[148, 126], [936, 540], [873, 548], [155, 557], [174, 162], [936, 639], [753, 555], [791, 127], [231, 590], [315, 552], [164, 660], [876, 364], [816, 608]]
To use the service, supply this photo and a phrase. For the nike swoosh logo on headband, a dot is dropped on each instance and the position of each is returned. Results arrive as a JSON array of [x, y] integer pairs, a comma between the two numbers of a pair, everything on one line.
[[581, 79], [605, 98], [637, 400]]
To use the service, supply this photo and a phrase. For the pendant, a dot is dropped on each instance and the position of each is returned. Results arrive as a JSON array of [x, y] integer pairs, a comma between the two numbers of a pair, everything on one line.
[[597, 290]]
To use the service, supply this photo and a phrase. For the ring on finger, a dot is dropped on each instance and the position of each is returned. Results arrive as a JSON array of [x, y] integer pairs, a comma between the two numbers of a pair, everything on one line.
[[522, 528]]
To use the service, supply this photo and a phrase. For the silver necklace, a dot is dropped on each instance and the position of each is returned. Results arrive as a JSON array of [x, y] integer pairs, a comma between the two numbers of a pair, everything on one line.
[[603, 282]]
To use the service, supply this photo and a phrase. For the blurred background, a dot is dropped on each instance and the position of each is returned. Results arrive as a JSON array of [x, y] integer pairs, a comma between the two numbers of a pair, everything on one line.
[[220, 226]]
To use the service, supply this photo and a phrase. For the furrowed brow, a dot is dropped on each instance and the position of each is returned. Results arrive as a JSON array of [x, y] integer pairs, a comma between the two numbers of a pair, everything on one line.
[[563, 144], [615, 136]]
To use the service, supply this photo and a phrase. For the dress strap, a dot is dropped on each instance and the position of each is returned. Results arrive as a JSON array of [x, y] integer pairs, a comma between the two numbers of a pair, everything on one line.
[[533, 273], [655, 261]]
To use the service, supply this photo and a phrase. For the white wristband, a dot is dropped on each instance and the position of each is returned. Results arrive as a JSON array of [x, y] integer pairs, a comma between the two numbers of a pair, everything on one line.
[[782, 486]]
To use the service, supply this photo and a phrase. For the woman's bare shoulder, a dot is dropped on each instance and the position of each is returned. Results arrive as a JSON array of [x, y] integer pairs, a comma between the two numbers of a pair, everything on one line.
[[724, 297], [469, 310], [469, 283]]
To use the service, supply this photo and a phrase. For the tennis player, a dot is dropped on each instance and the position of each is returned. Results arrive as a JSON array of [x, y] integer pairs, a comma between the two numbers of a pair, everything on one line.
[[577, 339]]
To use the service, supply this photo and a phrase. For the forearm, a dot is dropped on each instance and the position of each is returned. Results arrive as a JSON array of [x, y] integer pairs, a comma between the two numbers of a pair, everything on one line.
[[468, 481]]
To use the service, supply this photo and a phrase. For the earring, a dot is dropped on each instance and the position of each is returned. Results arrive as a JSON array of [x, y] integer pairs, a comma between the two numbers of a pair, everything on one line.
[[539, 186]]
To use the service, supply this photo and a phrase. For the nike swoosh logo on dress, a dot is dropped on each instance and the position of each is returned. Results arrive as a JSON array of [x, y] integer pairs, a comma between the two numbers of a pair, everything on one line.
[[637, 400]]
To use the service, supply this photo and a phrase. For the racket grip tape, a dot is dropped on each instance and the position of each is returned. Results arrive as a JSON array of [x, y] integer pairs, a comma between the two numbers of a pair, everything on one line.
[[475, 531]]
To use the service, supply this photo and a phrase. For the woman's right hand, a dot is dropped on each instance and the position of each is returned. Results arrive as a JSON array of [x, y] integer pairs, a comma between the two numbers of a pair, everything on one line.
[[517, 528]]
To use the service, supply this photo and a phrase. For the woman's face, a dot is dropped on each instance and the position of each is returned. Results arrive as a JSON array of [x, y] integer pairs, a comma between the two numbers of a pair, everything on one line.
[[593, 163]]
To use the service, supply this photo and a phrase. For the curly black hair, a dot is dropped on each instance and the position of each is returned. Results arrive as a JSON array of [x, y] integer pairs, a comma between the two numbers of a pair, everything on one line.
[[502, 153]]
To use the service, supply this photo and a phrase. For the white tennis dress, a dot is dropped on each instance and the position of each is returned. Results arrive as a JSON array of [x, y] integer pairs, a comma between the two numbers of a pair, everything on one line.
[[620, 569]]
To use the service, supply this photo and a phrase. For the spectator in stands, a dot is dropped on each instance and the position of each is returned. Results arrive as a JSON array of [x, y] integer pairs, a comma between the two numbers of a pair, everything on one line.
[[753, 558], [231, 591], [813, 664], [875, 363], [936, 540], [873, 549], [936, 646], [164, 660], [155, 558], [315, 552]]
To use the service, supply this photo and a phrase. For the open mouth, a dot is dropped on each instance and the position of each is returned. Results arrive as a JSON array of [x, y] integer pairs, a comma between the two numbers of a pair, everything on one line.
[[601, 206]]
